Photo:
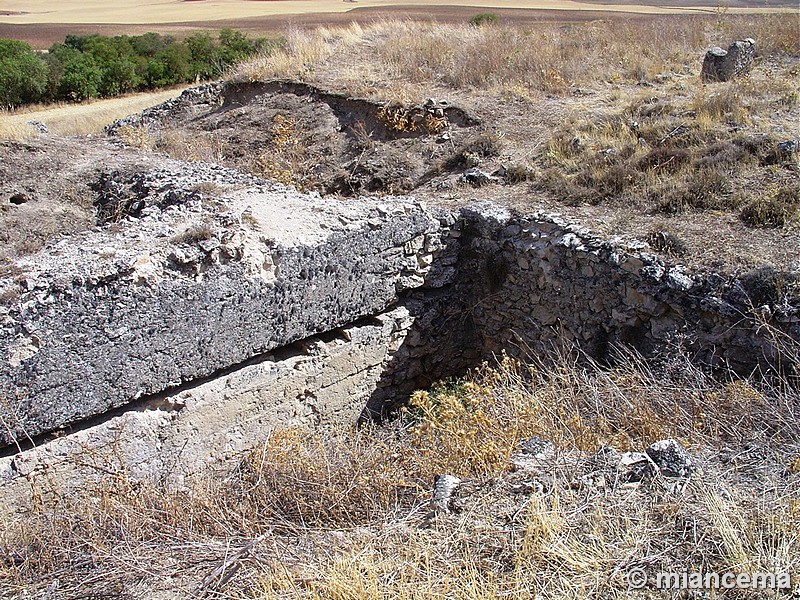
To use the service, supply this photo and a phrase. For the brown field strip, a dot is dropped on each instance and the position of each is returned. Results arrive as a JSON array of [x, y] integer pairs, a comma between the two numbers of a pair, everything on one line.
[[178, 11], [41, 34]]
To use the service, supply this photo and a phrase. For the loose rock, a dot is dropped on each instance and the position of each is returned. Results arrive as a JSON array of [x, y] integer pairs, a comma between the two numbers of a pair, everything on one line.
[[443, 488], [476, 177], [39, 126], [671, 458], [722, 65]]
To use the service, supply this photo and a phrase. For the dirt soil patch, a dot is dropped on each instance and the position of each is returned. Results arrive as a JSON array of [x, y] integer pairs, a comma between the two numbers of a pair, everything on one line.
[[46, 188]]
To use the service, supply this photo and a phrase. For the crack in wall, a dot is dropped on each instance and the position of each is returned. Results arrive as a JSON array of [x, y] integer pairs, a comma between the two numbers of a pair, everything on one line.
[[169, 400]]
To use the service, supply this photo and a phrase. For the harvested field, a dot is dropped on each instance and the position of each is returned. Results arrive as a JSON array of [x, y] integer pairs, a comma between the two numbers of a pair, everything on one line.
[[41, 25], [135, 11], [43, 35]]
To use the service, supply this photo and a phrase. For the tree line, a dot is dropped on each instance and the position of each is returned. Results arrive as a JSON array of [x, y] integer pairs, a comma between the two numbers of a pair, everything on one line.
[[92, 66]]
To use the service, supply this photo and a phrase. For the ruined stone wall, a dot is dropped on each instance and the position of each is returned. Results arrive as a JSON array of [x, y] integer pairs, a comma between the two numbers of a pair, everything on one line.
[[171, 345], [528, 284], [536, 280], [323, 381], [185, 291]]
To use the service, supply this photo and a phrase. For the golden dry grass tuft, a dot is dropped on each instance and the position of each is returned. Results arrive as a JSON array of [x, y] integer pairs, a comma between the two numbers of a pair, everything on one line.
[[287, 159], [297, 57]]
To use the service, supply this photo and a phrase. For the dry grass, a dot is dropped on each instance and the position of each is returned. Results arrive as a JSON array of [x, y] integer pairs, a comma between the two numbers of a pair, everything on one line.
[[674, 152], [287, 160], [548, 58], [25, 231], [78, 119], [629, 124], [301, 51], [345, 516]]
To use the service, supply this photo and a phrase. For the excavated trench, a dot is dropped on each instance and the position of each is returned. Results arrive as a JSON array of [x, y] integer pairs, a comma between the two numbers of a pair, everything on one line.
[[214, 307], [316, 140], [177, 354]]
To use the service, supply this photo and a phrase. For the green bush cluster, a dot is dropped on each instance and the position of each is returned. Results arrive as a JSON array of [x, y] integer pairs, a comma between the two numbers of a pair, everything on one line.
[[91, 66], [483, 19]]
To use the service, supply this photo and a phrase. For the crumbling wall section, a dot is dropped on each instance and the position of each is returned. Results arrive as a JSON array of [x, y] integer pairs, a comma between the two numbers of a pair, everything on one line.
[[527, 285], [537, 280], [187, 351], [189, 288], [322, 381]]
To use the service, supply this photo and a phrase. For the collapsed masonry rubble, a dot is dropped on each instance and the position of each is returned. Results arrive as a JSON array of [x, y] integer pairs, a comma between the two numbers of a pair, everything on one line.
[[525, 284], [220, 308]]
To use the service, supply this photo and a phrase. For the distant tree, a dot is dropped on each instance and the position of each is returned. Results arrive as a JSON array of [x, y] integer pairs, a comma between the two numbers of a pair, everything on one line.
[[78, 42], [23, 75], [56, 58], [87, 66], [483, 19], [117, 63], [204, 63], [155, 74], [81, 78], [178, 63], [234, 46], [150, 44]]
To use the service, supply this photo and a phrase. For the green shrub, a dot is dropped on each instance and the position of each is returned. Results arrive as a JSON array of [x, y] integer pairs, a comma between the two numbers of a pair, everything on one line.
[[23, 75], [88, 66], [483, 19]]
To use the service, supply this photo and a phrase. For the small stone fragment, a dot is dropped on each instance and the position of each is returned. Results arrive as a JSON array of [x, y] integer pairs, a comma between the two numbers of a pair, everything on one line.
[[443, 488], [634, 467], [39, 126], [671, 458], [788, 147], [476, 177]]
